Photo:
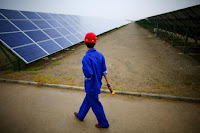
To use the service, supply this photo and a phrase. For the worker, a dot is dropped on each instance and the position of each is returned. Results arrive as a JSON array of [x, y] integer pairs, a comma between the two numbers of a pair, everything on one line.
[[94, 68]]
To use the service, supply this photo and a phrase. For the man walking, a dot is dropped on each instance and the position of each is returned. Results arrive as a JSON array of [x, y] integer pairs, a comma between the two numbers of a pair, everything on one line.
[[94, 68]]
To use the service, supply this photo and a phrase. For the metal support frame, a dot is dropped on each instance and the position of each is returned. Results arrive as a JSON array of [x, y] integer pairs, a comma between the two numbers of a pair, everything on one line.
[[195, 42], [16, 66]]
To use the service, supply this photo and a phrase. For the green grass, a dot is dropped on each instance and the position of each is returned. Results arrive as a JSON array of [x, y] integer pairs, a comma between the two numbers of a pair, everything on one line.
[[33, 69], [186, 82], [162, 85], [55, 63], [8, 71], [116, 88], [120, 88], [46, 78]]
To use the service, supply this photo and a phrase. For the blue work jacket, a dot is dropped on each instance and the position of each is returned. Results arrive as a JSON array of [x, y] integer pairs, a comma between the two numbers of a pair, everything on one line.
[[94, 68]]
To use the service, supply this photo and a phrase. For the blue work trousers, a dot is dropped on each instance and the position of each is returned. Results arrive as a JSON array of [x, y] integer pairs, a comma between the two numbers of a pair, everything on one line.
[[92, 100]]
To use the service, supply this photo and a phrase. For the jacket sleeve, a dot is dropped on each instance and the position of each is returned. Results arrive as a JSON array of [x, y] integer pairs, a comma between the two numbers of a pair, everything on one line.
[[87, 68], [104, 66]]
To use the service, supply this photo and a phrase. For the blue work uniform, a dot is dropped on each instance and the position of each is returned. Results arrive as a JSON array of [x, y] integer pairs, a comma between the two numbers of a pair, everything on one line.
[[94, 68]]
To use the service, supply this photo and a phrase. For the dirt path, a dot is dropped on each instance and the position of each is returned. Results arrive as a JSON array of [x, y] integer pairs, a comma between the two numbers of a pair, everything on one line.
[[33, 109], [136, 61]]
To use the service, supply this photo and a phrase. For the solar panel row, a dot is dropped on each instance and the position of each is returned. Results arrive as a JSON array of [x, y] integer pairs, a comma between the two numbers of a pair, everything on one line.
[[33, 35]]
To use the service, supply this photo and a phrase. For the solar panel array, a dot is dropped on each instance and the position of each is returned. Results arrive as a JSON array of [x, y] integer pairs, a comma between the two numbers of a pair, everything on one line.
[[34, 35], [183, 23], [181, 19]]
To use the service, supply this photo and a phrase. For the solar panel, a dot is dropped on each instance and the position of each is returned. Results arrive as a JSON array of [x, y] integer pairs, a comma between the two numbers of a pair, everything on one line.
[[50, 46], [15, 39], [6, 26], [1, 17], [12, 14], [41, 24], [30, 53], [24, 24], [34, 35], [31, 15], [63, 42], [37, 35]]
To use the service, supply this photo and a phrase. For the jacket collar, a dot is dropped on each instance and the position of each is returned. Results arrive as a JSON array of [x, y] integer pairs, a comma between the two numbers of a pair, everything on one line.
[[91, 50]]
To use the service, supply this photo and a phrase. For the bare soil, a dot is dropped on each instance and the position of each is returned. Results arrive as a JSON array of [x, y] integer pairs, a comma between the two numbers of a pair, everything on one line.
[[136, 61]]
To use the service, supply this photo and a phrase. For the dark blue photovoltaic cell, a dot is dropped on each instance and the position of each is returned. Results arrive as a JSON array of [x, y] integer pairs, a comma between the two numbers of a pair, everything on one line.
[[41, 23], [72, 30], [37, 35], [45, 15], [11, 14], [6, 26], [63, 42], [73, 39], [52, 33], [65, 24], [50, 46], [81, 37], [31, 15], [1, 17], [30, 52], [55, 16], [53, 23], [15, 39], [24, 24], [63, 31]]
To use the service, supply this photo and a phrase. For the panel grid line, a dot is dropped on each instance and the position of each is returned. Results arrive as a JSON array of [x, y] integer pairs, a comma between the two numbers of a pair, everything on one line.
[[43, 31], [27, 37], [70, 31]]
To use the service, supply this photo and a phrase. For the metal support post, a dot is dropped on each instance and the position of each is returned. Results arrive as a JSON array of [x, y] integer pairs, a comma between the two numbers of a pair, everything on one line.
[[157, 26], [186, 38], [16, 67], [196, 42], [174, 32], [13, 64]]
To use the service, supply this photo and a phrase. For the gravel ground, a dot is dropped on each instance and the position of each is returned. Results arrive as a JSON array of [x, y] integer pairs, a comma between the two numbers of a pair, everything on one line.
[[136, 61]]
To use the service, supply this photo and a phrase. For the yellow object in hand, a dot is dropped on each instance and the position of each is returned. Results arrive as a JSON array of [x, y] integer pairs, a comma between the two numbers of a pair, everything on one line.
[[113, 93]]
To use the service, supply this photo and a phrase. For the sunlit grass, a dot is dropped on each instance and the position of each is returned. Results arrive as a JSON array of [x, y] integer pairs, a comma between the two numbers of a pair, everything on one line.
[[46, 78]]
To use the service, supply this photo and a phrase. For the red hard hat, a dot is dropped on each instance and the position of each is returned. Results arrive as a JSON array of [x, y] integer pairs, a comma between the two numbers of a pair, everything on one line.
[[90, 38]]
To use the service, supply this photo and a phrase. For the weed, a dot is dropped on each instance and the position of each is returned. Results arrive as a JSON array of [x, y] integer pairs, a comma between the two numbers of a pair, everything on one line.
[[116, 88], [41, 78], [8, 71], [123, 89], [133, 90], [33, 69], [68, 78], [71, 83], [55, 63], [104, 87], [162, 85], [186, 82], [180, 87], [117, 83]]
